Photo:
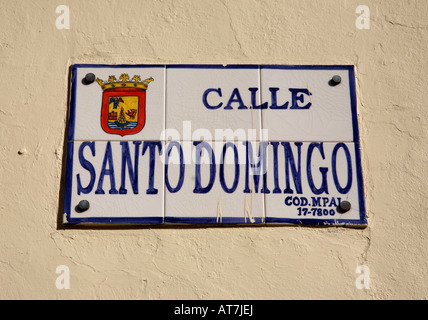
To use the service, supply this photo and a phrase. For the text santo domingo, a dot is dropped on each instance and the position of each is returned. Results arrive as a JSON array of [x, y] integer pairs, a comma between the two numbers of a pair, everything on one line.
[[266, 167]]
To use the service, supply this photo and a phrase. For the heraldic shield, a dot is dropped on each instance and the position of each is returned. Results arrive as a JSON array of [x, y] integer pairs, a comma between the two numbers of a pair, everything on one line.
[[123, 109]]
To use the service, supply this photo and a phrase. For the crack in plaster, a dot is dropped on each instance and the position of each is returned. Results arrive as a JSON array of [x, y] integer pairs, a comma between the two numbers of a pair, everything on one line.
[[233, 29]]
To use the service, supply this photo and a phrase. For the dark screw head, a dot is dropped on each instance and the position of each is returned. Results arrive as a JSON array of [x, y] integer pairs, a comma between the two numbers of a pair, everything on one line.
[[83, 205], [335, 80], [89, 78], [344, 206]]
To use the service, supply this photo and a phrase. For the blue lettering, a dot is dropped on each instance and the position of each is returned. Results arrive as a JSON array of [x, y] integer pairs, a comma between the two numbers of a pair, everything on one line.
[[295, 97], [235, 97], [171, 145], [273, 98], [295, 171], [277, 189], [254, 99], [324, 186], [108, 159], [132, 171], [222, 180], [205, 100], [316, 201], [257, 167], [88, 166], [349, 163], [200, 145], [333, 202], [152, 146]]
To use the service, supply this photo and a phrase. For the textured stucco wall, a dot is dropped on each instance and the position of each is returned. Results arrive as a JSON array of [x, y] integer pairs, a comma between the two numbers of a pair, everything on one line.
[[215, 263]]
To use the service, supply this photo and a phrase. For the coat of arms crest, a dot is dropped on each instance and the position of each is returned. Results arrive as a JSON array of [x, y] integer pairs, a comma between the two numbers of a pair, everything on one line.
[[123, 109]]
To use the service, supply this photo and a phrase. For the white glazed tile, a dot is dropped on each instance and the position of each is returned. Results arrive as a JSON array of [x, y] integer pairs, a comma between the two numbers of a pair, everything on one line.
[[88, 102], [298, 203], [224, 203], [329, 117], [141, 204], [190, 117]]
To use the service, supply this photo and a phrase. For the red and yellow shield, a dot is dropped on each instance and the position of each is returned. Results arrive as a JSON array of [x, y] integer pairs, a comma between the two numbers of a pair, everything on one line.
[[123, 109]]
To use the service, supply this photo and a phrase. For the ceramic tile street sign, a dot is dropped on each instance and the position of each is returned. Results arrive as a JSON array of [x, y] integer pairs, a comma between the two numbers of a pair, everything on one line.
[[213, 144]]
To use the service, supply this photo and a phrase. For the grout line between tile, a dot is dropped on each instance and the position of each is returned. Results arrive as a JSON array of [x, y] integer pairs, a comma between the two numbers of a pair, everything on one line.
[[261, 139]]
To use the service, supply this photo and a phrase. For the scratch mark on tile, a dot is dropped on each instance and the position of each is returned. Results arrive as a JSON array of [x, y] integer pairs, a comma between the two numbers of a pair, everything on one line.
[[247, 210], [219, 212]]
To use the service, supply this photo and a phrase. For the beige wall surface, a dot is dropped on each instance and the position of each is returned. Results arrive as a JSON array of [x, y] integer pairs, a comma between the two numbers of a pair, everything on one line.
[[214, 263]]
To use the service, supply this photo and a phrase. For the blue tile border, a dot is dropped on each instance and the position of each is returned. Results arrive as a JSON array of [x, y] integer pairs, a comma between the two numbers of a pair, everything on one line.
[[68, 179], [72, 110], [353, 95], [307, 67], [117, 220], [212, 66], [316, 222], [212, 220], [360, 184], [117, 66]]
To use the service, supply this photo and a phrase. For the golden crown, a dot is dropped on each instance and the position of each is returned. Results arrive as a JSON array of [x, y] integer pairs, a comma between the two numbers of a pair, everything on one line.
[[124, 82]]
